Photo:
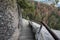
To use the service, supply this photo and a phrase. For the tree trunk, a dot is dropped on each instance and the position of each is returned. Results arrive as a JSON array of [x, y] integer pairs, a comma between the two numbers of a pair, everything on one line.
[[8, 20]]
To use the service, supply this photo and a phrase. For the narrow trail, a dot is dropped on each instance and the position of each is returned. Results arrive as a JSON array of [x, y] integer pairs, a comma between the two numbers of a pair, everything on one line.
[[26, 32]]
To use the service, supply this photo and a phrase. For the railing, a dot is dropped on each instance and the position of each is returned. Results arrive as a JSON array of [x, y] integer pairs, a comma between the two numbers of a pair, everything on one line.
[[49, 30]]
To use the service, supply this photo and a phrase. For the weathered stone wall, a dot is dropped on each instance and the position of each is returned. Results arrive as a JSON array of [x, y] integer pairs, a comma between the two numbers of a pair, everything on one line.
[[8, 20]]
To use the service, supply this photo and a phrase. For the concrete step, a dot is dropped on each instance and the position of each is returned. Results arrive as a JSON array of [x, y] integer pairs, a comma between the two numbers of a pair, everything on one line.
[[26, 34]]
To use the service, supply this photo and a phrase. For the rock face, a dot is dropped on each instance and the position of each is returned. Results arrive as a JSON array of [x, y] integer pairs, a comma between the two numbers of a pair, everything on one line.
[[8, 20], [10, 29]]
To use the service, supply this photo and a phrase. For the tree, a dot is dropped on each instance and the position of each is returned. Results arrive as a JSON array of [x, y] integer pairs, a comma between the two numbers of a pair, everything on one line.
[[24, 4], [8, 20], [27, 8]]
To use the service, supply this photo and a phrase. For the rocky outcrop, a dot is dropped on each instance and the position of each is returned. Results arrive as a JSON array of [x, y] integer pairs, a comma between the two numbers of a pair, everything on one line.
[[8, 20]]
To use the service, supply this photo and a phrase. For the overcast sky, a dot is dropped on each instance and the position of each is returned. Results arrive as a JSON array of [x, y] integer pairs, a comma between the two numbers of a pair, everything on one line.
[[37, 0], [40, 0]]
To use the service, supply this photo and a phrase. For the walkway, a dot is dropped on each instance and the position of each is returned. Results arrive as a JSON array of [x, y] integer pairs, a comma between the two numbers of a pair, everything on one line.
[[26, 32]]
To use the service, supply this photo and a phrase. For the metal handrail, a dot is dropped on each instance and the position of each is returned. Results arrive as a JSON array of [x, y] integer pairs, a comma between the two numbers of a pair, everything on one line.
[[49, 30]]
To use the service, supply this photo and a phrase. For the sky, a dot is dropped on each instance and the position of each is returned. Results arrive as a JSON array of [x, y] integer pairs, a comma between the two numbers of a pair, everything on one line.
[[40, 0], [37, 0], [46, 1], [58, 4]]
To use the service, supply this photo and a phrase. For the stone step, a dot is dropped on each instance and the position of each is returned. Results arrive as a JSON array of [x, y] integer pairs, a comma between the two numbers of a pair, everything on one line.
[[27, 37], [26, 34]]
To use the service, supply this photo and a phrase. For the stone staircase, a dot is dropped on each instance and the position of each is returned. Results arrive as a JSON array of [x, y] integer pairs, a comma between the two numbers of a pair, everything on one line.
[[26, 32]]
